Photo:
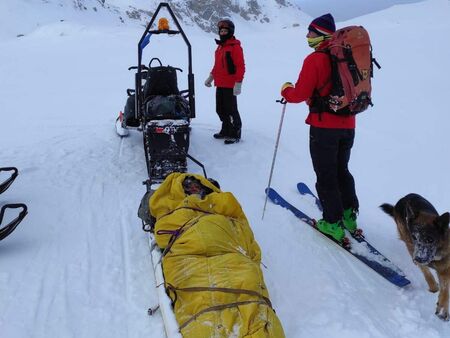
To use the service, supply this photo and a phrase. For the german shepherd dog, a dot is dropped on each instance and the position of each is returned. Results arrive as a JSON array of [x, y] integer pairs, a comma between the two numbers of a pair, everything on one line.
[[427, 238]]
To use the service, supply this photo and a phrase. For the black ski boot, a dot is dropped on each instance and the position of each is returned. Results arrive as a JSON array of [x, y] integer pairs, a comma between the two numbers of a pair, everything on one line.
[[222, 133], [234, 138]]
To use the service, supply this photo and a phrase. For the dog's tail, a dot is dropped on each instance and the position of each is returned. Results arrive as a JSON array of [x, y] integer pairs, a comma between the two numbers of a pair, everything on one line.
[[388, 209]]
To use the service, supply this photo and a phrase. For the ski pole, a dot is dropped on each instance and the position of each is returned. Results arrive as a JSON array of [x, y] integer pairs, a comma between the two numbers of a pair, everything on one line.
[[283, 102]]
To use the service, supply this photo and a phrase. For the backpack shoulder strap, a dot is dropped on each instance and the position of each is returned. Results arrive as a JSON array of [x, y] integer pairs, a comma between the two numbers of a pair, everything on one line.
[[318, 90], [319, 103]]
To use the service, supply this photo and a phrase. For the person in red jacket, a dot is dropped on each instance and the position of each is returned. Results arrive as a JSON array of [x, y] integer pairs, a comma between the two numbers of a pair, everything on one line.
[[227, 74], [331, 135]]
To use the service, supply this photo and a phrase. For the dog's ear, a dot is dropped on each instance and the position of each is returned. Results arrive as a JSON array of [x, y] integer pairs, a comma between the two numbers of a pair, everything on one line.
[[443, 221], [388, 209]]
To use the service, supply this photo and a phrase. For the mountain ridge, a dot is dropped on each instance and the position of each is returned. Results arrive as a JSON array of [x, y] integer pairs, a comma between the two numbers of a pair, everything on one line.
[[202, 13]]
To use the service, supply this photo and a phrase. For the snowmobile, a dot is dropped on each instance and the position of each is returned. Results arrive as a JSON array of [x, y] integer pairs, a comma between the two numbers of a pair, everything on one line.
[[157, 108], [7, 229]]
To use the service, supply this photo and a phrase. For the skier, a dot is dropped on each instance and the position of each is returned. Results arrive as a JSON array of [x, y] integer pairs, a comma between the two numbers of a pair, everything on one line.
[[331, 135], [227, 74]]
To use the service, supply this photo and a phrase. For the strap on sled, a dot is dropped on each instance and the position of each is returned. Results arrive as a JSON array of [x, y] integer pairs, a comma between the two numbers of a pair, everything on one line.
[[6, 230], [5, 185]]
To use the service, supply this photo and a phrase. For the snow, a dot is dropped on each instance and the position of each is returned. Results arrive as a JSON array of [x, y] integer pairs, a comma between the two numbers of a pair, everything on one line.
[[79, 265]]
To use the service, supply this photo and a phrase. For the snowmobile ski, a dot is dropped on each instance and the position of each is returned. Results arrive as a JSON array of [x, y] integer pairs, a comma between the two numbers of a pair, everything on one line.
[[120, 130], [359, 247]]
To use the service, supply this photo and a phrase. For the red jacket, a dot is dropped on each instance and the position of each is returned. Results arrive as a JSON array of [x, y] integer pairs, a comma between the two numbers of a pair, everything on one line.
[[229, 50], [315, 74]]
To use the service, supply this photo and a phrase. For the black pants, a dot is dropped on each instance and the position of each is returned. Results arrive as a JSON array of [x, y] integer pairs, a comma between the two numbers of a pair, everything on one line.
[[226, 108], [330, 152]]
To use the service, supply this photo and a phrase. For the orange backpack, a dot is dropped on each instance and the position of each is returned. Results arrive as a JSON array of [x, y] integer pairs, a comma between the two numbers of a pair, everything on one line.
[[352, 67]]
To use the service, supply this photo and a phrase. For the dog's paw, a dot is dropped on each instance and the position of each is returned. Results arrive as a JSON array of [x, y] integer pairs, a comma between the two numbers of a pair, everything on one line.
[[442, 313]]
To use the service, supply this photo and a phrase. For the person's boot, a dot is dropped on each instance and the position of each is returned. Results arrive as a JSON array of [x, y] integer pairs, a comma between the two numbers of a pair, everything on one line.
[[222, 133], [335, 230], [349, 219], [234, 138]]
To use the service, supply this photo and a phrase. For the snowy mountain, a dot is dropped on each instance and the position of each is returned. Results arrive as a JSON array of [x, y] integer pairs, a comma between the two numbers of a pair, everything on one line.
[[204, 13], [79, 265]]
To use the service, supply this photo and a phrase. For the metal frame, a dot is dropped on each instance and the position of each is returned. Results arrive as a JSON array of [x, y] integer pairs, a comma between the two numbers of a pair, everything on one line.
[[138, 79]]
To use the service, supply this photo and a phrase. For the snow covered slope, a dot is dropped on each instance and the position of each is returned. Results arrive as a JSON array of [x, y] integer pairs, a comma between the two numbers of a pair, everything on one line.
[[79, 265]]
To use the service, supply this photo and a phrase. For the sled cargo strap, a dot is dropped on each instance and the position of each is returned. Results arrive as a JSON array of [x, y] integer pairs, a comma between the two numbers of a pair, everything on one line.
[[263, 300], [214, 289], [194, 209], [190, 223], [178, 232]]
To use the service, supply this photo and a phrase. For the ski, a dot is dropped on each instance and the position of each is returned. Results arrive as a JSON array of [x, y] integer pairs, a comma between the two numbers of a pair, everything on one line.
[[120, 130], [359, 247], [304, 190]]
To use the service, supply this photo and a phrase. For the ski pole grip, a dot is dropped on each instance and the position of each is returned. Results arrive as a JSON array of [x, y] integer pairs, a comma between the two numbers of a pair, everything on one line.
[[282, 100]]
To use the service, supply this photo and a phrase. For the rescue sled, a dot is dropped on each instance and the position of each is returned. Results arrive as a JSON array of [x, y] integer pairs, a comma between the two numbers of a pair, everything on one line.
[[207, 262]]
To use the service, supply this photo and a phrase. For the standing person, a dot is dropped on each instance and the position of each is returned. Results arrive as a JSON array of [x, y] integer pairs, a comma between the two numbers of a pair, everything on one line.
[[331, 136], [227, 73]]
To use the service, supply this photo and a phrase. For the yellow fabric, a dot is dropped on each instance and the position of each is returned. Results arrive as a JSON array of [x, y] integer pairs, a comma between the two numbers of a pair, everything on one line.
[[216, 249]]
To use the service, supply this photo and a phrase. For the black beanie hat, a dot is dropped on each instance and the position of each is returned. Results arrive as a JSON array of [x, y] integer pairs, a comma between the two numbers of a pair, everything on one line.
[[323, 25]]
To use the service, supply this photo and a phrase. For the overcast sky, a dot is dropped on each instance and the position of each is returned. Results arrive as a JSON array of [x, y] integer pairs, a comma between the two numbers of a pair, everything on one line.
[[346, 9]]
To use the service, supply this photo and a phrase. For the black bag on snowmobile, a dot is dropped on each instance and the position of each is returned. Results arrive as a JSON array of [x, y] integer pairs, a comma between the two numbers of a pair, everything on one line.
[[167, 107], [161, 80]]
